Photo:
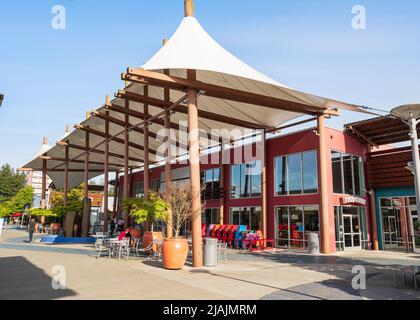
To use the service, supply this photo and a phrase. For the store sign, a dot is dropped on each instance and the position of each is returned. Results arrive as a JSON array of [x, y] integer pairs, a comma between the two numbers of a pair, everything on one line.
[[353, 201]]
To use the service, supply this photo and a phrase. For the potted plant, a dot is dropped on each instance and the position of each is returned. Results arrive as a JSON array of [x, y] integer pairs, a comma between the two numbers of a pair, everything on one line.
[[150, 211], [175, 250]]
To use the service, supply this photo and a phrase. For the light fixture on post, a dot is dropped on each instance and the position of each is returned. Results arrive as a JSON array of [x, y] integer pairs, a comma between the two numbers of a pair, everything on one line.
[[1, 98], [410, 114]]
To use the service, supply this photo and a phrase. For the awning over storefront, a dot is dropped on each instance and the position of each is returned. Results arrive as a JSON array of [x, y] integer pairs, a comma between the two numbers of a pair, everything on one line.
[[380, 131], [232, 96]]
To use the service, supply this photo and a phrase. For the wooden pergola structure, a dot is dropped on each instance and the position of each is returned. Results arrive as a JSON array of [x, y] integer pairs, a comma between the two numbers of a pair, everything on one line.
[[183, 94]]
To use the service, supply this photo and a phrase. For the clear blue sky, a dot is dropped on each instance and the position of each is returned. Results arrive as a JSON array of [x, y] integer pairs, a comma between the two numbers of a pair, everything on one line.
[[51, 78]]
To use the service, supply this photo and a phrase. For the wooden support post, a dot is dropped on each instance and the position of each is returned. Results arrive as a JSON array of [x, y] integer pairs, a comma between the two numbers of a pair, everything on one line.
[[189, 8], [86, 200], [168, 168], [126, 161], [66, 175], [264, 183], [194, 152], [372, 207], [44, 183], [323, 188], [116, 195], [106, 173], [375, 242], [222, 183], [146, 171]]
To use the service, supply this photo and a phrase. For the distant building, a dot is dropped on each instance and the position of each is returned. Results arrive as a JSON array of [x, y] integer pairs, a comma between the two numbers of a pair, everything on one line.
[[34, 179]]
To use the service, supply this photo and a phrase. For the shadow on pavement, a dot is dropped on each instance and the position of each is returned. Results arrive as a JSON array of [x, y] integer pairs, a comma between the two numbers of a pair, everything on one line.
[[379, 274], [21, 280]]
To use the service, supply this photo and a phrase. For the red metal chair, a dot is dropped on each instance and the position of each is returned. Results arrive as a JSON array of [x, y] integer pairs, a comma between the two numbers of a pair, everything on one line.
[[231, 235], [214, 231], [220, 232], [203, 230]]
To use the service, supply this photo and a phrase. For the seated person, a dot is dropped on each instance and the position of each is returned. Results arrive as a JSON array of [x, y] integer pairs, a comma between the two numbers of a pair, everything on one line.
[[122, 236], [127, 233]]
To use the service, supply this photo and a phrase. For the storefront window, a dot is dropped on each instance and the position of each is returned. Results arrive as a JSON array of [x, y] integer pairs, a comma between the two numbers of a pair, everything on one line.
[[399, 217], [211, 216], [155, 185], [246, 180], [139, 190], [210, 179], [248, 216], [296, 174], [310, 176], [347, 172], [293, 224], [351, 228]]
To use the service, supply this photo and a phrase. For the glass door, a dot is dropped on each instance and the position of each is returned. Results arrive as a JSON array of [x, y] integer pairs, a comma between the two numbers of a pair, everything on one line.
[[416, 234], [390, 231], [351, 229]]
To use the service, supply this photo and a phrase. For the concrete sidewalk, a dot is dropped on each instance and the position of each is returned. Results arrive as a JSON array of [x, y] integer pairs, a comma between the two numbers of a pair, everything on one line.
[[26, 272]]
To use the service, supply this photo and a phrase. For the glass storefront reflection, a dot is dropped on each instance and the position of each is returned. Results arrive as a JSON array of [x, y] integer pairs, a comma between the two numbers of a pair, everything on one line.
[[400, 226]]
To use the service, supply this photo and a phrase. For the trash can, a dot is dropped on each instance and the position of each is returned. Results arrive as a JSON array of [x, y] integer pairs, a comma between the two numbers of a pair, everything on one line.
[[313, 243], [210, 252]]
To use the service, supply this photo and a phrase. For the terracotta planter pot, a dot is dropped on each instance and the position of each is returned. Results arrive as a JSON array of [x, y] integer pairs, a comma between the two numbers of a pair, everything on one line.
[[174, 253], [149, 237], [55, 228], [135, 233]]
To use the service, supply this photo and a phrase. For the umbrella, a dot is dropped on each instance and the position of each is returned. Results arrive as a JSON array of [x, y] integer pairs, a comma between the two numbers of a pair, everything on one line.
[[15, 215]]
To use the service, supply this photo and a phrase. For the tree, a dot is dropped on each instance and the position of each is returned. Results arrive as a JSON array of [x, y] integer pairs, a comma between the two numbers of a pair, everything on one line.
[[180, 200], [153, 210], [10, 183], [74, 202], [21, 201]]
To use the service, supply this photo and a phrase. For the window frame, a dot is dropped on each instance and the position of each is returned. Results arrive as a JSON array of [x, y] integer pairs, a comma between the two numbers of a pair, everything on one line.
[[286, 157], [249, 208], [353, 178], [231, 197], [289, 240]]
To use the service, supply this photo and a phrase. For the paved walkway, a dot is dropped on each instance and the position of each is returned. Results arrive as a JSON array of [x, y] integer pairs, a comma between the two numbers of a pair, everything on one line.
[[26, 272]]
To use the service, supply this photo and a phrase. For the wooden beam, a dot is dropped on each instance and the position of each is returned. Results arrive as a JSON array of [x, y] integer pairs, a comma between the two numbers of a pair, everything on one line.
[[141, 115], [76, 161], [361, 135], [184, 110], [113, 155], [108, 136], [73, 170], [210, 90], [121, 123]]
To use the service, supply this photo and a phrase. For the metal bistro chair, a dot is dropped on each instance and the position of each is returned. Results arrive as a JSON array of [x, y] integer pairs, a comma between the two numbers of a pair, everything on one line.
[[155, 247], [137, 246], [222, 252], [102, 247]]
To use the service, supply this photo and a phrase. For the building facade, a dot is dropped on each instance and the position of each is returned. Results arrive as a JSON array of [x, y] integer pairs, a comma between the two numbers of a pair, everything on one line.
[[34, 180], [233, 192]]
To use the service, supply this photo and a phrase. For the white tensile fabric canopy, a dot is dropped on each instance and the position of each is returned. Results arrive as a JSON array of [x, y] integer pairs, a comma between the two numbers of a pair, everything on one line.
[[189, 48]]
